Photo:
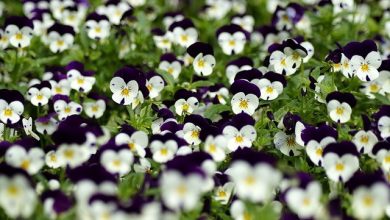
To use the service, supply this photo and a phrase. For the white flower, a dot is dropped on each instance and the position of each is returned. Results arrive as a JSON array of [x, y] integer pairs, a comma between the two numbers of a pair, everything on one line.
[[155, 85], [239, 212], [60, 88], [346, 67], [370, 202], [52, 160], [4, 40], [2, 126], [143, 166], [268, 90], [310, 50], [305, 202], [342, 5], [95, 109], [163, 152], [279, 62], [204, 64], [366, 68], [58, 43], [191, 133], [27, 126], [232, 43], [216, 147], [64, 109], [223, 193], [188, 106], [19, 37], [314, 149], [10, 112], [180, 192], [254, 183], [244, 103], [79, 82], [47, 127], [17, 197], [239, 138], [123, 93], [184, 37], [383, 126], [246, 22], [232, 70], [340, 168], [173, 68], [163, 42], [98, 29], [117, 162], [287, 144], [137, 142], [339, 112], [138, 100], [383, 158], [72, 154], [114, 12], [31, 160], [365, 141], [39, 97]]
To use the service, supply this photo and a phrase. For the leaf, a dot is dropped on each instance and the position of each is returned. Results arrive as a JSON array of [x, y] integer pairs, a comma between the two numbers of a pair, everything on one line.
[[168, 78], [201, 83], [383, 99], [215, 109]]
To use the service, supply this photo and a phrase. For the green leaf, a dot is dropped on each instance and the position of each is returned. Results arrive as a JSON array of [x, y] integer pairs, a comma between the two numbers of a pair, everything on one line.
[[383, 99], [215, 109], [168, 78], [201, 83]]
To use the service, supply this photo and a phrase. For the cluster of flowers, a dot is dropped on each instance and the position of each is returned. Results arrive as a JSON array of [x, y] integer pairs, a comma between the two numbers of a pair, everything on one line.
[[209, 130]]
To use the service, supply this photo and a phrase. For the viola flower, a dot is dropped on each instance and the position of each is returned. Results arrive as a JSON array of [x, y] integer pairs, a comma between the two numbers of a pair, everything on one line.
[[170, 64], [186, 103], [340, 161], [381, 152], [59, 81], [254, 175], [237, 65], [125, 86], [382, 119], [224, 188], [71, 15], [116, 159], [171, 17], [4, 40], [285, 18], [218, 93], [60, 37], [79, 79], [98, 26], [11, 106], [245, 21], [240, 133], [217, 9], [183, 32], [18, 198], [137, 141], [39, 94], [340, 106], [245, 98], [232, 39], [19, 31], [364, 62], [287, 140], [64, 107], [271, 85], [365, 139], [369, 196], [162, 40], [29, 6], [216, 147], [316, 139], [163, 151], [342, 5], [267, 35], [42, 20], [143, 166], [27, 127], [203, 55], [287, 57], [114, 10], [31, 160], [94, 109], [55, 202], [304, 200], [46, 124]]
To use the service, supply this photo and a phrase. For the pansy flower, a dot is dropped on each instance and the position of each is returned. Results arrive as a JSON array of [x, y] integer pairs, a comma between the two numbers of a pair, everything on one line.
[[254, 175], [4, 40], [116, 159], [245, 21], [364, 59], [46, 124], [193, 126], [240, 132], [381, 152], [137, 141], [183, 32], [218, 93], [287, 57], [316, 139], [171, 17], [95, 107], [365, 139], [287, 140], [268, 35], [203, 55], [29, 6], [170, 64], [80, 80], [18, 198], [58, 80], [39, 94], [304, 199], [216, 147], [340, 161], [223, 188], [237, 65], [186, 102], [60, 37], [382, 120], [271, 85], [162, 39], [369, 195], [71, 15], [113, 9], [217, 9], [26, 157], [42, 20], [340, 106], [98, 26], [285, 18], [19, 31], [342, 5], [163, 149], [155, 84], [11, 106], [232, 39], [64, 107], [245, 97]]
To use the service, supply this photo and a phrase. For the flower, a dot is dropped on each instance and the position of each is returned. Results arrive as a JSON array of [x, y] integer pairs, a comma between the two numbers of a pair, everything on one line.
[[30, 160], [240, 133], [79, 79], [216, 147], [183, 32], [271, 85], [19, 31], [237, 65], [60, 37], [186, 102], [64, 107], [163, 151], [232, 39], [113, 10], [98, 26], [340, 105], [11, 106], [116, 159], [170, 64], [136, 141], [245, 21], [39, 94], [245, 98], [203, 56]]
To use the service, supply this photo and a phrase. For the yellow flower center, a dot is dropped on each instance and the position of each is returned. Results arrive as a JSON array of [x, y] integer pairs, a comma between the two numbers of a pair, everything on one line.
[[306, 201], [80, 81], [13, 190], [269, 89], [387, 159], [95, 108], [53, 157], [221, 193], [296, 56], [290, 141], [195, 134], [8, 112], [117, 162], [239, 139], [58, 90], [125, 92], [345, 64], [319, 151], [164, 151], [336, 65], [374, 88], [364, 67], [232, 43], [184, 37], [149, 87], [131, 146], [170, 70], [67, 109], [200, 63], [69, 154], [39, 96], [25, 164], [98, 30], [283, 62], [182, 190], [340, 167], [368, 201], [165, 41], [60, 43], [19, 36], [364, 139], [243, 104], [250, 180], [339, 110], [212, 148], [186, 107]]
